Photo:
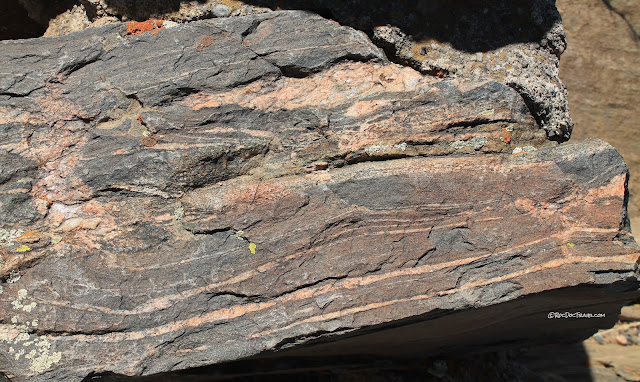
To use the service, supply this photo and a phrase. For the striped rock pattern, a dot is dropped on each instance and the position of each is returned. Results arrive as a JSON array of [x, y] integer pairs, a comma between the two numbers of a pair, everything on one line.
[[225, 188]]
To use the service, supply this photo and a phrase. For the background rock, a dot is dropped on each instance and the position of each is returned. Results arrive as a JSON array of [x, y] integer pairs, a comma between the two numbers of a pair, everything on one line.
[[600, 68]]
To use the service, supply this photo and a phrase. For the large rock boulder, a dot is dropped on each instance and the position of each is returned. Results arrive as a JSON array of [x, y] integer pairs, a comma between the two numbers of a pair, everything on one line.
[[221, 189]]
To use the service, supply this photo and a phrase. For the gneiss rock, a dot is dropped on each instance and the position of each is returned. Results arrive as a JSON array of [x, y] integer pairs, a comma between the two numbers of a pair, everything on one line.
[[515, 42], [225, 188]]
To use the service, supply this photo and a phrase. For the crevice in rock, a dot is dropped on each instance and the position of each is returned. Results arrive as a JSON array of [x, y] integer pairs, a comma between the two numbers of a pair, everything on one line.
[[247, 298], [308, 285], [478, 122], [290, 342], [214, 167], [68, 68], [229, 230], [132, 191]]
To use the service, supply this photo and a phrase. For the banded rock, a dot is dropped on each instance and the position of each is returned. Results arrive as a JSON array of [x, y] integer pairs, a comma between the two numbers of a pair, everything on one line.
[[234, 187]]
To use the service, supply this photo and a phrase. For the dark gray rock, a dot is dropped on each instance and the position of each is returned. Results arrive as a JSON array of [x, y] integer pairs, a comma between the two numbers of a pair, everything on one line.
[[203, 193]]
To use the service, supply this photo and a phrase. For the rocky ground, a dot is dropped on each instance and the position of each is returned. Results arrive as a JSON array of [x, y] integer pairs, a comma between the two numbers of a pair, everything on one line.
[[614, 354]]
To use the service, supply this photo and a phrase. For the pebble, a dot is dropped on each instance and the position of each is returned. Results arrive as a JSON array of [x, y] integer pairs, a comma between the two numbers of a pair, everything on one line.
[[622, 340], [221, 10], [630, 313], [598, 339], [629, 338], [479, 56]]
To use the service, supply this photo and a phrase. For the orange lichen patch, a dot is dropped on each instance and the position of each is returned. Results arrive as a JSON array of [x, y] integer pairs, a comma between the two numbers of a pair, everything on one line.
[[139, 27], [205, 42], [507, 136], [27, 235], [32, 237]]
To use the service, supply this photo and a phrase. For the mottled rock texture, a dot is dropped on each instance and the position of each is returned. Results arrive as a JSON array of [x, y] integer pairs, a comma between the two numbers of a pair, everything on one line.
[[229, 187]]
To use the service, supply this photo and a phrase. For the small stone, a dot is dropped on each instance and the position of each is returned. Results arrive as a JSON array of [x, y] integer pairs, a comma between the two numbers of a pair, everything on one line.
[[479, 56], [629, 338], [598, 339], [543, 42], [221, 10], [622, 340], [630, 313]]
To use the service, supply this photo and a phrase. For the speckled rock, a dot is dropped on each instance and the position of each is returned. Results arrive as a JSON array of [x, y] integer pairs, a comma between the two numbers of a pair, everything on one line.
[[185, 195]]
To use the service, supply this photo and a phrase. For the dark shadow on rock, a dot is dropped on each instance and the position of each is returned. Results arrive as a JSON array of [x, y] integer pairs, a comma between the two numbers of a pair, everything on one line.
[[511, 341], [15, 22], [469, 25], [20, 19], [140, 9]]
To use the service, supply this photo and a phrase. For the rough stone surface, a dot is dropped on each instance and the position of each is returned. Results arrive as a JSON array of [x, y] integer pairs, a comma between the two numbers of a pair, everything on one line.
[[516, 42], [211, 191]]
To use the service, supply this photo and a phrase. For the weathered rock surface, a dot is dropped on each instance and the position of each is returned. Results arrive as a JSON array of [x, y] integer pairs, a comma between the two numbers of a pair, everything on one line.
[[225, 188], [515, 42]]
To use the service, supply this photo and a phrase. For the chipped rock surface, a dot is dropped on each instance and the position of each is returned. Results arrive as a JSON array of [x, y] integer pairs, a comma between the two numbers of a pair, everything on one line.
[[206, 192]]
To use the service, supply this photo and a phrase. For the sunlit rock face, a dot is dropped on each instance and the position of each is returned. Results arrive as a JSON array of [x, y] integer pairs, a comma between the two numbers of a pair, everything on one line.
[[175, 196]]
